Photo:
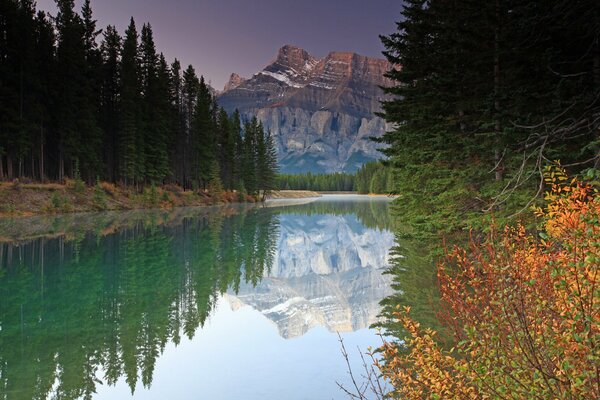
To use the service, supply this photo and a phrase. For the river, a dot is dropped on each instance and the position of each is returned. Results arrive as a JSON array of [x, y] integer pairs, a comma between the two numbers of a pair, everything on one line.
[[232, 302]]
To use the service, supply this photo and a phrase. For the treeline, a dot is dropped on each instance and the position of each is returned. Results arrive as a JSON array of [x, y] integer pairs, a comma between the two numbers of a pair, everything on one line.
[[336, 182], [79, 101], [372, 177], [485, 94]]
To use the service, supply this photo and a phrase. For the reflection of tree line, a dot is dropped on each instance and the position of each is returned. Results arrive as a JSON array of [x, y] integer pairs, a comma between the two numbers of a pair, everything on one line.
[[111, 303], [371, 213]]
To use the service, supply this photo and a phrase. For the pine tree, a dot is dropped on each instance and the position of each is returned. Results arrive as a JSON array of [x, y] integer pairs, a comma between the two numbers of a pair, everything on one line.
[[90, 159], [177, 123], [189, 94], [236, 133], [203, 135], [266, 162], [154, 108], [129, 153], [72, 78], [45, 73], [226, 150], [110, 100], [249, 160]]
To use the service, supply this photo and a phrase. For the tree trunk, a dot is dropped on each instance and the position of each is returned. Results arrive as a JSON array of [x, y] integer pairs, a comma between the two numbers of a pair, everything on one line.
[[32, 166], [1, 168], [9, 166], [42, 177], [499, 169], [61, 167]]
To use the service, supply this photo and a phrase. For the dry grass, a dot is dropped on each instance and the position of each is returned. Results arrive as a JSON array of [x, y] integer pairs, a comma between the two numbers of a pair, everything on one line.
[[20, 199]]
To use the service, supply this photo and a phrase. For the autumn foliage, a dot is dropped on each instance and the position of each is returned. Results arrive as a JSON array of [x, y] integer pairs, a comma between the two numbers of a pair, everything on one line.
[[524, 310]]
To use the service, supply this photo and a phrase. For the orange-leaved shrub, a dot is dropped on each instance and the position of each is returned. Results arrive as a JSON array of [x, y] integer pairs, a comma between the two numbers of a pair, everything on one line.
[[524, 310]]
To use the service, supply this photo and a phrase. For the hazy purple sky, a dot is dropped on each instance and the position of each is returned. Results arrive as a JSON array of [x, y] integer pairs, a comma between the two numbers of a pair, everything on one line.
[[219, 37]]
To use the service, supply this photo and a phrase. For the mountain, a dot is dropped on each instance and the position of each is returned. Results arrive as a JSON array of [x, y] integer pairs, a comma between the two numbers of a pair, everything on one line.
[[234, 81], [320, 111], [328, 271]]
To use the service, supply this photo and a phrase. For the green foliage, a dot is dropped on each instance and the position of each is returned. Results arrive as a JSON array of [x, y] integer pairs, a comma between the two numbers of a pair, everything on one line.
[[99, 196], [59, 202], [56, 201], [477, 107], [71, 105], [151, 196], [373, 177], [336, 182], [78, 184], [215, 186]]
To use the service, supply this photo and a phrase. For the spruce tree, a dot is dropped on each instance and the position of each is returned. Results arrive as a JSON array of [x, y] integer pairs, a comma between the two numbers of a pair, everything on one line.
[[154, 109], [249, 171], [189, 94], [129, 153], [203, 134], [110, 100], [226, 150]]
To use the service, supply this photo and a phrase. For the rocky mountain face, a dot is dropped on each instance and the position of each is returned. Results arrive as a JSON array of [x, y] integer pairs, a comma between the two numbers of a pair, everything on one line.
[[234, 81], [320, 111], [328, 271]]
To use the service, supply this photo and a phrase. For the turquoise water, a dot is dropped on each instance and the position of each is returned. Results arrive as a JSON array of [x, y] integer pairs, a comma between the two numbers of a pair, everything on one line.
[[221, 303]]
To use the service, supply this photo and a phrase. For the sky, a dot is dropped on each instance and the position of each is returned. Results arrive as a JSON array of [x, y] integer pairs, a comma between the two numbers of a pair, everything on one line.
[[219, 37]]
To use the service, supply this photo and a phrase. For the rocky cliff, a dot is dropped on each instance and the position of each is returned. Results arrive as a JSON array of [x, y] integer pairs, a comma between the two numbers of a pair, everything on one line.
[[320, 111]]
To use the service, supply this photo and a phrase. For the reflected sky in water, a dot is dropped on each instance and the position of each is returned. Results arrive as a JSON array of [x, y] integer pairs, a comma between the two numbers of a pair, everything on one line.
[[228, 303]]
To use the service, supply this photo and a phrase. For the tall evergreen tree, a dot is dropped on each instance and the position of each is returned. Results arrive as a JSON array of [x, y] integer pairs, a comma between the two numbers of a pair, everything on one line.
[[110, 100], [177, 123], [249, 175], [45, 73], [480, 103], [189, 97], [203, 135], [154, 114], [226, 149], [129, 153]]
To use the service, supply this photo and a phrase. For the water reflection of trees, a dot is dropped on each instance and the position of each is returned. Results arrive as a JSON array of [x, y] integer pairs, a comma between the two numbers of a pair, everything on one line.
[[74, 306], [372, 213]]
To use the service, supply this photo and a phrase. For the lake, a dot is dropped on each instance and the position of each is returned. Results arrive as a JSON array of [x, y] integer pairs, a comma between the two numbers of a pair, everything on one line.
[[232, 302]]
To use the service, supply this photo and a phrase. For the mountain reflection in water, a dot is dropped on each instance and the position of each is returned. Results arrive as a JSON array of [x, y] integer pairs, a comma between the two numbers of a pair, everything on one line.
[[91, 300]]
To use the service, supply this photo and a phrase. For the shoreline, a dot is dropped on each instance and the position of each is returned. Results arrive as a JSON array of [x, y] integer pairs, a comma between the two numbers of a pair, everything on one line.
[[47, 199], [35, 199]]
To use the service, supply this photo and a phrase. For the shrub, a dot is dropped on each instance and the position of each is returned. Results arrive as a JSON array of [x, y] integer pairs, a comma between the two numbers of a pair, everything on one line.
[[109, 188], [78, 184], [56, 201], [99, 196], [151, 196], [173, 188], [524, 310]]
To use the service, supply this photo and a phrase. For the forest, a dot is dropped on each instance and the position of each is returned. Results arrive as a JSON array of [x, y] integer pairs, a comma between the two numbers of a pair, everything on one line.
[[373, 177], [485, 95], [496, 156], [82, 102]]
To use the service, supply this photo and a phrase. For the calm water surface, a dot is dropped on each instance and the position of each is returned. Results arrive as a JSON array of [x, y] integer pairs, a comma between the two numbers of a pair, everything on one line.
[[220, 303]]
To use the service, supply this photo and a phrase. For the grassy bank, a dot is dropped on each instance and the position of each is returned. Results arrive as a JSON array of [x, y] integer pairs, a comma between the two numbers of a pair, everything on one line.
[[17, 199], [293, 194]]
